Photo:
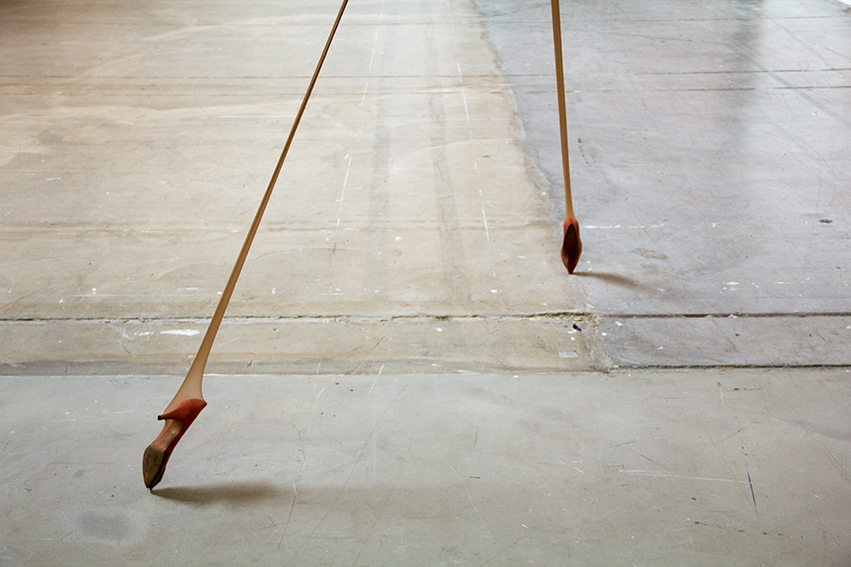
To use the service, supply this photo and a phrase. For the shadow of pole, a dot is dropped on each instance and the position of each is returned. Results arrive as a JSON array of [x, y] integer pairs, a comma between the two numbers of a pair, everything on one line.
[[614, 279], [244, 493]]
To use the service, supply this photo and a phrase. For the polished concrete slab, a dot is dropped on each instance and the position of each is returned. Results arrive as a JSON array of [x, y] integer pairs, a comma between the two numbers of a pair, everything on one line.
[[728, 340], [142, 138], [710, 157], [713, 467], [710, 146], [406, 187], [407, 375]]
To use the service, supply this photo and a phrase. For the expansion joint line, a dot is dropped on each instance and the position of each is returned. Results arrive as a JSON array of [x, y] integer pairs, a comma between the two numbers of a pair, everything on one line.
[[583, 315], [722, 366], [544, 315], [730, 315]]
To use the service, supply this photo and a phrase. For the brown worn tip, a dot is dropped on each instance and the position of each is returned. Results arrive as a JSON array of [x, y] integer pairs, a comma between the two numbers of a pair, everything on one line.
[[177, 421], [152, 467], [571, 247]]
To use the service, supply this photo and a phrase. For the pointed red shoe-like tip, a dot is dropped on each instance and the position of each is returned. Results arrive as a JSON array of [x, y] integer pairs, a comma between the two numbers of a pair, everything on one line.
[[571, 247], [158, 453]]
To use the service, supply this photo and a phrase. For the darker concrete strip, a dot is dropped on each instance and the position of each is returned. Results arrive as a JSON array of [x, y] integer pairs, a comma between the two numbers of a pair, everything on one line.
[[789, 340]]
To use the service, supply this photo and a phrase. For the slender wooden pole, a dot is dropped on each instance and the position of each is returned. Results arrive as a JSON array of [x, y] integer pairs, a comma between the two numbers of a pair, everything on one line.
[[562, 107], [191, 387], [571, 245], [188, 402]]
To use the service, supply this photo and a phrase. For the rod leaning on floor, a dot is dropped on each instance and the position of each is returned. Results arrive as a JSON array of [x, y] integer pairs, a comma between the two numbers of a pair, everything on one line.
[[188, 402], [571, 247]]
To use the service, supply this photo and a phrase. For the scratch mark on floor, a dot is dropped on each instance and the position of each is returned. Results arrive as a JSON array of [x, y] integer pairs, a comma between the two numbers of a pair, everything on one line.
[[371, 59], [10, 363], [295, 486], [469, 495], [836, 463], [683, 477], [648, 458], [346, 483], [753, 495], [369, 354], [487, 233], [343, 192]]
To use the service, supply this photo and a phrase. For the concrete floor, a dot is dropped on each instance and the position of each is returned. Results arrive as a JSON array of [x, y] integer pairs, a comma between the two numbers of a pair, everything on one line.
[[407, 375]]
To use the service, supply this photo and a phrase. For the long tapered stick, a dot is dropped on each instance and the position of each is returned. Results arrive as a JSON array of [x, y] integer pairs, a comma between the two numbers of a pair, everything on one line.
[[571, 245], [188, 402], [191, 387]]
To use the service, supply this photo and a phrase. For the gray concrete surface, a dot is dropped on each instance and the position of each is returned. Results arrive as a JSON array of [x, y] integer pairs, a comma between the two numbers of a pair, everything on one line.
[[718, 467], [710, 156], [407, 375], [137, 157]]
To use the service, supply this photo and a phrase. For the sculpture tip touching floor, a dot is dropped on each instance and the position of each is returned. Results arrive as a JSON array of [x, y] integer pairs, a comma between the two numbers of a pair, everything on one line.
[[571, 246], [176, 423], [188, 402]]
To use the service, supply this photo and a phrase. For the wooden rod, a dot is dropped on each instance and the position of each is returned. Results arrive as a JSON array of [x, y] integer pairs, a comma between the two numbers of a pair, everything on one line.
[[562, 108], [191, 387]]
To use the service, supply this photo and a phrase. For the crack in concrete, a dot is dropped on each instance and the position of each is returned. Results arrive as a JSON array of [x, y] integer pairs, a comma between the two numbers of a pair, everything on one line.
[[742, 315], [573, 316]]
